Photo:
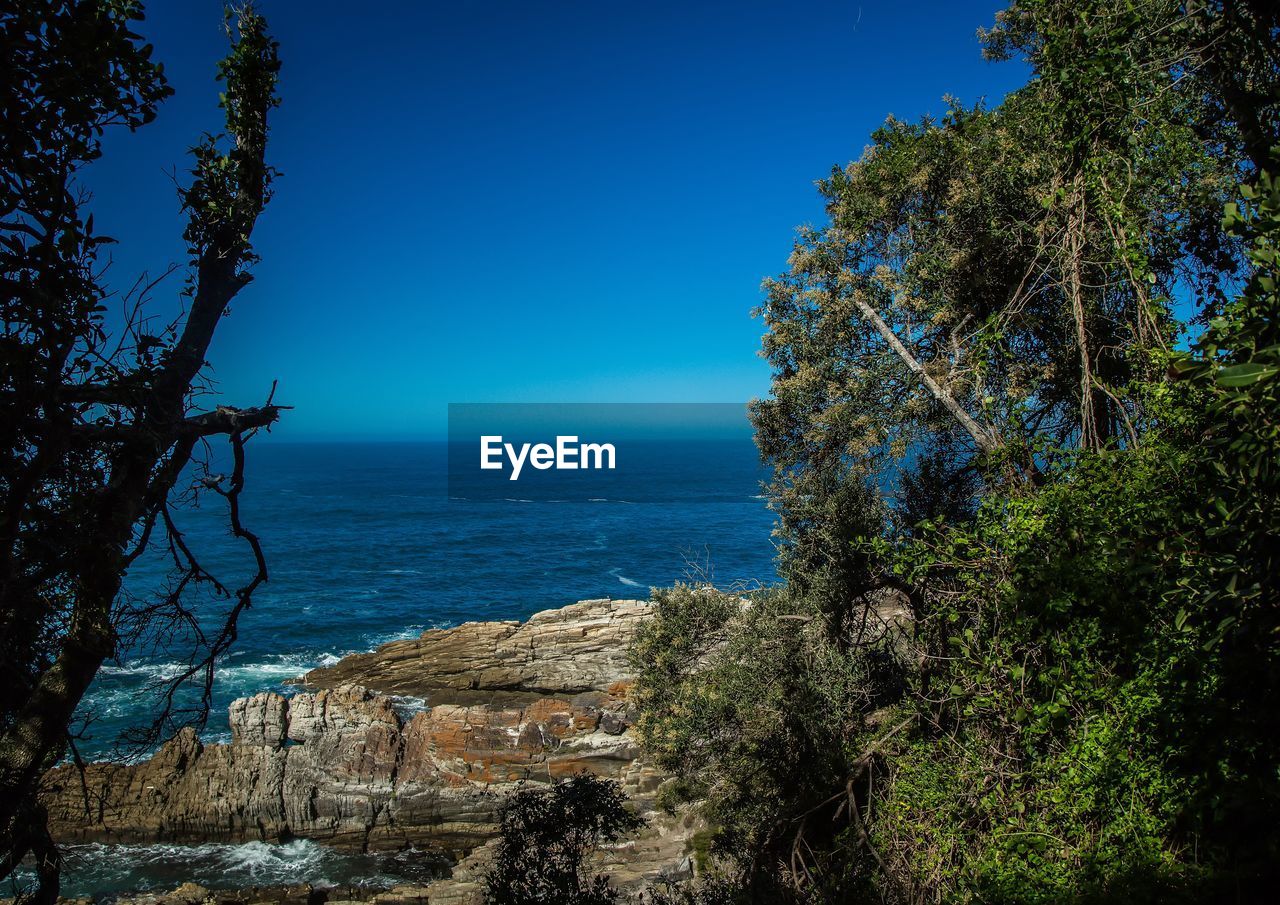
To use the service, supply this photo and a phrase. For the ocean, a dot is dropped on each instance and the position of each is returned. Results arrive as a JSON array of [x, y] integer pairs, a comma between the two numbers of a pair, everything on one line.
[[365, 544]]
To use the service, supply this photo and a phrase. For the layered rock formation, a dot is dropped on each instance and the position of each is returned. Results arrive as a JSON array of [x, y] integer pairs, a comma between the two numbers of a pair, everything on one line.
[[505, 702], [578, 649]]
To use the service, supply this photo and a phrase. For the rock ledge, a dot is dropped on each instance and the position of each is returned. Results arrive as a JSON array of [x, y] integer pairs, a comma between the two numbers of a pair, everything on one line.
[[504, 702]]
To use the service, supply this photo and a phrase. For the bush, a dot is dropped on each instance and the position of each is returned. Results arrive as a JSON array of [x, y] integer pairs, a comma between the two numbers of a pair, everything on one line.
[[546, 834], [760, 715]]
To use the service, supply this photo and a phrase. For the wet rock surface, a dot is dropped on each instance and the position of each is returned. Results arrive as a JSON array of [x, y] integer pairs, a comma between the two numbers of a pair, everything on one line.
[[506, 703]]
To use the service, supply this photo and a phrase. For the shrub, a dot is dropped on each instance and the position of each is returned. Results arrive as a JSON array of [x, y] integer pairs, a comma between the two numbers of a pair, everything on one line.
[[546, 835]]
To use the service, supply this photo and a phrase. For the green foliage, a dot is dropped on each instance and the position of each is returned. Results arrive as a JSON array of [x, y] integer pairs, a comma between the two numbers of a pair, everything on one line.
[[546, 835], [1043, 608], [1111, 680], [753, 707], [1083, 523], [1233, 374], [230, 186]]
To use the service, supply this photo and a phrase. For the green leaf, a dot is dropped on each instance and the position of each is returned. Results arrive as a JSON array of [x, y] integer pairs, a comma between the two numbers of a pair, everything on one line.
[[1246, 374]]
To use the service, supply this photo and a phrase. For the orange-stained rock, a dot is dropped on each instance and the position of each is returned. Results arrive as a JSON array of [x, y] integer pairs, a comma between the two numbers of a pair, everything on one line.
[[509, 703]]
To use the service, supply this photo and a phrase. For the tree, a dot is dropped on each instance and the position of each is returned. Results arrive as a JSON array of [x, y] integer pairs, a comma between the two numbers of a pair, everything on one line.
[[546, 835], [992, 285], [976, 400], [98, 424]]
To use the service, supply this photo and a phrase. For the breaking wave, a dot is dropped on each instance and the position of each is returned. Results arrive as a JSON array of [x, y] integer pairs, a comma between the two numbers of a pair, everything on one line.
[[106, 871], [622, 578], [257, 673]]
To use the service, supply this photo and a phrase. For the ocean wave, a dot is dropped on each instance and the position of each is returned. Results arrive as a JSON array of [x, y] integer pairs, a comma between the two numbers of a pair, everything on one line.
[[288, 666], [622, 578], [408, 633], [125, 696], [407, 706], [103, 871], [257, 675], [144, 669]]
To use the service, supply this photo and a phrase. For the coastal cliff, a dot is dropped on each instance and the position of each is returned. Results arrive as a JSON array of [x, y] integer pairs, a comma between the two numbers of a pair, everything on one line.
[[413, 745]]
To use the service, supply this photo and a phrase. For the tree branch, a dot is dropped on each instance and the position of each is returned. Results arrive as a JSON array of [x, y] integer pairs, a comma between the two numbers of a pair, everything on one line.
[[986, 440], [227, 420]]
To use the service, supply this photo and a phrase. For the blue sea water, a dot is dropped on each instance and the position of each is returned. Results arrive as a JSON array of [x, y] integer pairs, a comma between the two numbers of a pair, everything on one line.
[[365, 545]]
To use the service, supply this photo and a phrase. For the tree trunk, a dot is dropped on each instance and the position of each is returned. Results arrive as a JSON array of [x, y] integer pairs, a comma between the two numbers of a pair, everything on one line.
[[985, 439]]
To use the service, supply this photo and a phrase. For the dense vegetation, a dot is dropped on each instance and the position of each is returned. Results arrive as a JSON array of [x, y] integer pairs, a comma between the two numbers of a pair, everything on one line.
[[1028, 644]]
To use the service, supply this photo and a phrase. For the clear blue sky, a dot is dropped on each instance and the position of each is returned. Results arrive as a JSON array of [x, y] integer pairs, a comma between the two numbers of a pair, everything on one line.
[[537, 201]]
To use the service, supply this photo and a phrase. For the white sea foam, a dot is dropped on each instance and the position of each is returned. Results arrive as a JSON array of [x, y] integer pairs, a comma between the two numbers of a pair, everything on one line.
[[407, 706], [408, 633], [160, 671], [622, 578], [273, 669], [239, 677], [106, 870]]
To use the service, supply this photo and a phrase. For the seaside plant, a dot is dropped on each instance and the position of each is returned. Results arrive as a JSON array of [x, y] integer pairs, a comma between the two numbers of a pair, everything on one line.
[[545, 836], [985, 413], [98, 418]]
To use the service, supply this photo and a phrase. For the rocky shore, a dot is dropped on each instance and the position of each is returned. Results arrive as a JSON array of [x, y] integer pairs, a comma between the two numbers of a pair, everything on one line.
[[348, 763]]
